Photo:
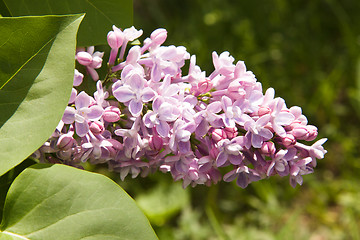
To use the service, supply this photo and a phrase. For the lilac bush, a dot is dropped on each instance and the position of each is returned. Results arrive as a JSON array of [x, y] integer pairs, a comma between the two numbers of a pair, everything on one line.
[[146, 115]]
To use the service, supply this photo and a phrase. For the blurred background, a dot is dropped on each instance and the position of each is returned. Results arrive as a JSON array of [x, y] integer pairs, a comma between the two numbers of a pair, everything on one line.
[[309, 52]]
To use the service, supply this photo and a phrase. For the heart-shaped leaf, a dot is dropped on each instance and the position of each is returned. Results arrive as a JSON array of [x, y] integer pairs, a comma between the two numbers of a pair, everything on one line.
[[61, 202], [36, 74], [100, 15]]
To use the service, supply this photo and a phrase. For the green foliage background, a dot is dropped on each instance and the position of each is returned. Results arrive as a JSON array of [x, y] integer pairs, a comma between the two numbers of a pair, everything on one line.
[[309, 52]]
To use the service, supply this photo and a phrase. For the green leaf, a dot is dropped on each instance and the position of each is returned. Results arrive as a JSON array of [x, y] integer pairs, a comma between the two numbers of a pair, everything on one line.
[[61, 202], [3, 9], [7, 179], [36, 75], [100, 15]]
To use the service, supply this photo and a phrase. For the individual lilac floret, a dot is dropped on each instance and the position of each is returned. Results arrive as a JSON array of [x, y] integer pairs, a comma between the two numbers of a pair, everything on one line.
[[180, 138], [167, 60], [157, 38], [92, 60], [135, 94], [100, 95], [99, 149], [243, 176], [130, 34], [279, 162], [232, 112], [163, 112], [82, 113], [230, 150], [257, 133], [280, 118], [115, 40], [223, 64]]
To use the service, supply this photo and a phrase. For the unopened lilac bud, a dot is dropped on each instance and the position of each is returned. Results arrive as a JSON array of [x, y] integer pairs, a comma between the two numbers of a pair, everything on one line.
[[84, 58], [214, 152], [65, 142], [193, 174], [115, 38], [231, 132], [312, 132], [96, 62], [263, 110], [64, 155], [218, 134], [158, 36], [78, 78], [288, 140], [300, 132], [205, 86], [96, 127], [111, 114], [268, 148], [156, 143]]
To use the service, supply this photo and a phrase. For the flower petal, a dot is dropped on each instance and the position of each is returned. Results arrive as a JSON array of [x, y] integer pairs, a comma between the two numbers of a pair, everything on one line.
[[81, 128], [284, 118], [172, 90], [279, 130], [221, 159], [256, 141], [82, 100], [229, 122], [95, 113], [136, 82], [230, 176], [163, 129], [147, 94], [214, 107], [226, 102], [184, 147], [69, 115], [262, 121], [242, 180], [124, 93], [265, 133], [135, 107]]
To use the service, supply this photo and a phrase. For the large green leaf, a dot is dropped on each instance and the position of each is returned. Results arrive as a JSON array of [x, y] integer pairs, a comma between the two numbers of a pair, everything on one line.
[[100, 15], [61, 202], [36, 75]]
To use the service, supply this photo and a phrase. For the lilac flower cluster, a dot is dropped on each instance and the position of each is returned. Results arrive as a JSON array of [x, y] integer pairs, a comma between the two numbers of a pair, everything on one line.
[[146, 115]]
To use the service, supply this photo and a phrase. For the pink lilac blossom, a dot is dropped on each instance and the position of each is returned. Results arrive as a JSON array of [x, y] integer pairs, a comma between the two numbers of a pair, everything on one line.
[[147, 115]]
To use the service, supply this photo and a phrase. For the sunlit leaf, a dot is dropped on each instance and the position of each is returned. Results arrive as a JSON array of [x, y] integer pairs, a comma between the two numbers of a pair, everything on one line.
[[36, 75], [62, 202]]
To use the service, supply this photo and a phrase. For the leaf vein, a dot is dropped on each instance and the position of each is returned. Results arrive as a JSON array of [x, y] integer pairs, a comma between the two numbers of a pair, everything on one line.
[[107, 18]]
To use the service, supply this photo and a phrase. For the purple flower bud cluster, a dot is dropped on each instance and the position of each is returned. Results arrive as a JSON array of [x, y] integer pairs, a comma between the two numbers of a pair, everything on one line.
[[146, 115]]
